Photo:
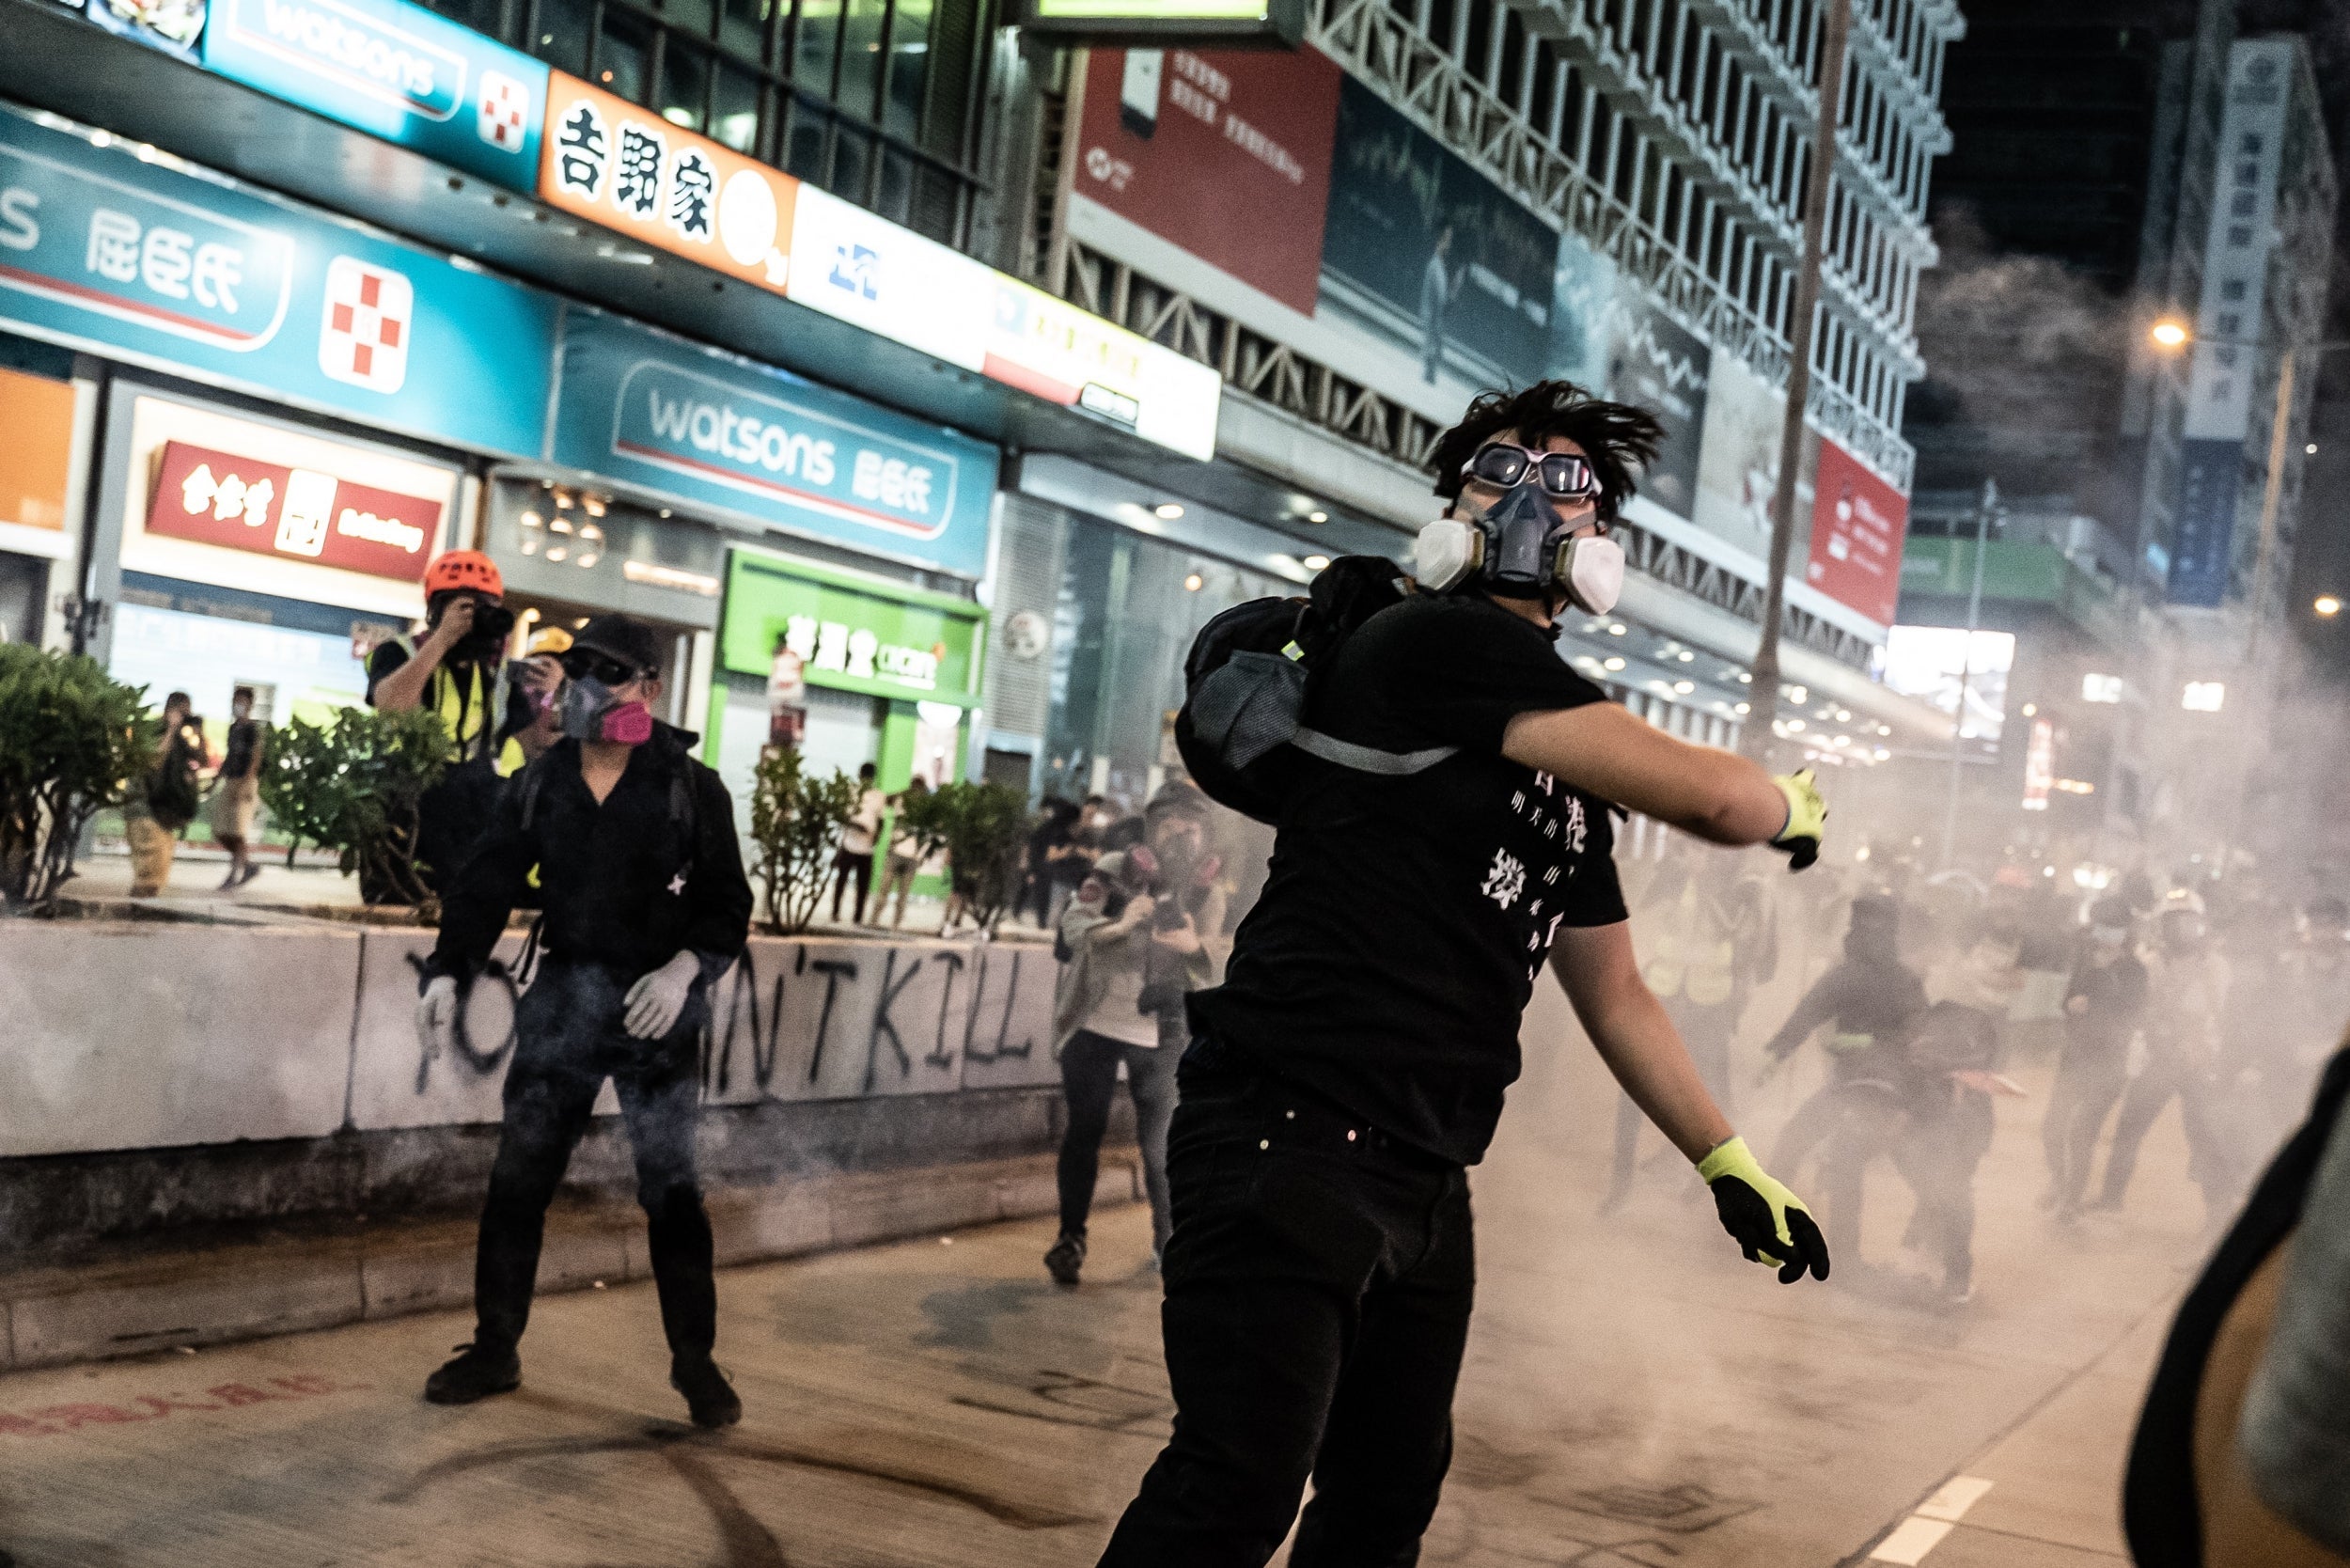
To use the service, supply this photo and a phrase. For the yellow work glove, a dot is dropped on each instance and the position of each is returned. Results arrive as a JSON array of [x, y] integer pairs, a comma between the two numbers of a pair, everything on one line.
[[1769, 1223], [1807, 820]]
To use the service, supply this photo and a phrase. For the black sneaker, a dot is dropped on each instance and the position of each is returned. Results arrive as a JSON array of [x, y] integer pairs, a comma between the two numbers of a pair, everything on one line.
[[1066, 1258], [475, 1374], [709, 1396]]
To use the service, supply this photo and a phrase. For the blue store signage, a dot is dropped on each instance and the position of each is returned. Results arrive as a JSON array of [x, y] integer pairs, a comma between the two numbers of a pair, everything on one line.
[[2202, 551], [394, 70], [104, 251], [649, 410]]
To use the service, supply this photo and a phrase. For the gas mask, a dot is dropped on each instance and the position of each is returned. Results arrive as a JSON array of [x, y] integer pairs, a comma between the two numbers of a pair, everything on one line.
[[1520, 549], [591, 712]]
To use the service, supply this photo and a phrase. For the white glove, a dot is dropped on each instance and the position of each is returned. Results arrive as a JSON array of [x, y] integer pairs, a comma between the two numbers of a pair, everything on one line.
[[436, 1015], [654, 1002]]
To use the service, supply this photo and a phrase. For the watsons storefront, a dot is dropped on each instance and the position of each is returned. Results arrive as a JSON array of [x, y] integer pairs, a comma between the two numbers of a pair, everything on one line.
[[848, 540]]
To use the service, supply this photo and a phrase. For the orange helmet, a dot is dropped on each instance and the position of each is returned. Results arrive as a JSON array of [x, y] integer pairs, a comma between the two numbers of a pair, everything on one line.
[[464, 570]]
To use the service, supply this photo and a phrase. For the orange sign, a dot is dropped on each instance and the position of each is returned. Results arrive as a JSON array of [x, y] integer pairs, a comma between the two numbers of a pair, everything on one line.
[[36, 458], [628, 169]]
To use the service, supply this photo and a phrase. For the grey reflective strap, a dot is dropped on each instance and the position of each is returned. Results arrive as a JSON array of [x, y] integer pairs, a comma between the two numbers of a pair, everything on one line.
[[1364, 759]]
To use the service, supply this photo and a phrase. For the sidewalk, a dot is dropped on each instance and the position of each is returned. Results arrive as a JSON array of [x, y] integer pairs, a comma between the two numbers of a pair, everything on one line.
[[164, 1296]]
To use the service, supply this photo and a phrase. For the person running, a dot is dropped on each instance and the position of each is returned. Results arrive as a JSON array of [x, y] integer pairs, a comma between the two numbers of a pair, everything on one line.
[[1870, 998], [2186, 1012], [646, 905], [2103, 1007], [1352, 1064]]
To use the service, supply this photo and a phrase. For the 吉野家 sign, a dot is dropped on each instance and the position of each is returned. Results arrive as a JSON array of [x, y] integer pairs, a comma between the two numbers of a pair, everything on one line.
[[294, 514], [394, 70], [1229, 24], [625, 168]]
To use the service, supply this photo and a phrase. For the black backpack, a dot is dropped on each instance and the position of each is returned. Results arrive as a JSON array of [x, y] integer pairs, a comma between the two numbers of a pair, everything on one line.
[[1240, 731]]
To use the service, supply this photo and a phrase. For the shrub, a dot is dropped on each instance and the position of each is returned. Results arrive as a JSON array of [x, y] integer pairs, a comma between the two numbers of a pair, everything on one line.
[[70, 740], [351, 785], [796, 819], [985, 828]]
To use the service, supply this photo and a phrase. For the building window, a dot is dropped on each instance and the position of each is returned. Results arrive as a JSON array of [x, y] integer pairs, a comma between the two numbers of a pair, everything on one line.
[[874, 100]]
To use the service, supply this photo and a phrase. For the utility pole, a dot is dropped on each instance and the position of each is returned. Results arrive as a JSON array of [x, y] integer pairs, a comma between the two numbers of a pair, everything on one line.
[[1835, 40], [1967, 671]]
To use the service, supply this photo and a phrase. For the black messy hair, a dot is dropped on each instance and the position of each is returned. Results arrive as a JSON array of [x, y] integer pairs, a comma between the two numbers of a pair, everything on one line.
[[1615, 437]]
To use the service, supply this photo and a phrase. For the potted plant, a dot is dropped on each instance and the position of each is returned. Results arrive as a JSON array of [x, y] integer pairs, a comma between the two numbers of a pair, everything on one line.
[[351, 785], [796, 819], [70, 740], [984, 828]]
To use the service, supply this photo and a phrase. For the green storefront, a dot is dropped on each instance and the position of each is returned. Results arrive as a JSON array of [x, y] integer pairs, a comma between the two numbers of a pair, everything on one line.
[[892, 672]]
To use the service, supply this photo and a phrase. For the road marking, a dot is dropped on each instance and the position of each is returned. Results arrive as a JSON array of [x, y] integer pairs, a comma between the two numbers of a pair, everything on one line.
[[1923, 1531], [1911, 1540], [1958, 1495]]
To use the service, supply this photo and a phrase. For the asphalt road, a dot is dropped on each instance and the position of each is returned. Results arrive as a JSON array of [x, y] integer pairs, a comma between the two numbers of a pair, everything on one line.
[[1635, 1395]]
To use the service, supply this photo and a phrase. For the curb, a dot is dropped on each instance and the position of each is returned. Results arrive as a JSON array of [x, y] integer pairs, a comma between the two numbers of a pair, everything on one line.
[[58, 1317]]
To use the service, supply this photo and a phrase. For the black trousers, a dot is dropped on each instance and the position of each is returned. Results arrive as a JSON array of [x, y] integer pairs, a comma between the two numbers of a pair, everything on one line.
[[2089, 1079], [2209, 1160], [851, 870], [1318, 1291], [570, 1040], [1088, 1081]]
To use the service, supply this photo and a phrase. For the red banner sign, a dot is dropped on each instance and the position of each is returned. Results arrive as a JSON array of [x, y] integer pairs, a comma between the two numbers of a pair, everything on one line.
[[1225, 154], [294, 514], [1858, 523]]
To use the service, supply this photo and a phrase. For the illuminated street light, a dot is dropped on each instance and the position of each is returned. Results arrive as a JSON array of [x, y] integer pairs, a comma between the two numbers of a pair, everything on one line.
[[2327, 604], [2169, 334]]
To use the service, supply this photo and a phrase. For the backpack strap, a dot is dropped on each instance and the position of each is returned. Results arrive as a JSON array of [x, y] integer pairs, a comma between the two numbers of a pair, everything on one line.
[[1364, 759]]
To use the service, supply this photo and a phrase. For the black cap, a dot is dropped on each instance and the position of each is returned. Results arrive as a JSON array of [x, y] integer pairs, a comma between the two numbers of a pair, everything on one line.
[[622, 637]]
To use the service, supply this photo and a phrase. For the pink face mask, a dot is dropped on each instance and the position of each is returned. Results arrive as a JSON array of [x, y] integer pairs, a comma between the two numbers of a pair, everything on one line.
[[627, 723]]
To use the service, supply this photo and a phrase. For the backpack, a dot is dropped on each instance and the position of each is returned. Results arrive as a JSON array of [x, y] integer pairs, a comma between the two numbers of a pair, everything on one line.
[[1241, 729]]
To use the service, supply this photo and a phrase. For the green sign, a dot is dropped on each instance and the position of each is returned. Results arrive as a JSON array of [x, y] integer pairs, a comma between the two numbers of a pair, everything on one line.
[[853, 634]]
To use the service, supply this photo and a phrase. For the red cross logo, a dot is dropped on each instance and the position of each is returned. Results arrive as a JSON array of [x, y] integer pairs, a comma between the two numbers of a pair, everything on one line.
[[504, 109], [364, 337]]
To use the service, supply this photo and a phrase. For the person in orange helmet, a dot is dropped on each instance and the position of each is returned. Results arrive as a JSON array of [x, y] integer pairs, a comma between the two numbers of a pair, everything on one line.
[[458, 671]]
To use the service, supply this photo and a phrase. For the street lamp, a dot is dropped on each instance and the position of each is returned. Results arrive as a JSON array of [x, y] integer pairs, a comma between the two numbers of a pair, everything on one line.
[[2328, 605], [2169, 334]]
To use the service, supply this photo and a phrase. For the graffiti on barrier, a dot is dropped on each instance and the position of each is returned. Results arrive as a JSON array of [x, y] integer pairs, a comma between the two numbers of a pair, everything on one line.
[[973, 1014]]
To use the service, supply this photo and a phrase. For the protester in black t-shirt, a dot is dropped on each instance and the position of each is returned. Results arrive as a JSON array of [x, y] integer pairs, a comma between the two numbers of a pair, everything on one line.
[[1318, 1278]]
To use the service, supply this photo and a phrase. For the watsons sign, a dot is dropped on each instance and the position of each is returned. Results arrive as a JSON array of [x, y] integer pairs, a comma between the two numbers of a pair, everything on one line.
[[647, 409], [394, 70], [675, 418], [386, 61]]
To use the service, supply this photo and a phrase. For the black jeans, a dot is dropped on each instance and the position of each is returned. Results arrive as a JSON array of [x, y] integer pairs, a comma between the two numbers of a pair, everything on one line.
[[570, 1039], [2168, 1073], [851, 870], [1088, 1081], [1318, 1293], [2089, 1078]]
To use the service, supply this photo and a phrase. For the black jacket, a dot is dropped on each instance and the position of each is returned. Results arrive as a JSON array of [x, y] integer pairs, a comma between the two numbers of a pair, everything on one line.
[[1870, 993], [654, 870]]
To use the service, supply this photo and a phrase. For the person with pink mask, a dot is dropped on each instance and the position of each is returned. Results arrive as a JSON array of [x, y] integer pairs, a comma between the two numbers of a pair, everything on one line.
[[645, 905]]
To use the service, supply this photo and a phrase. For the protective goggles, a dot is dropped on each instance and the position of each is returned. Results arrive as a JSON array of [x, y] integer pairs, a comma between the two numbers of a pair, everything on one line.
[[586, 664], [1502, 465]]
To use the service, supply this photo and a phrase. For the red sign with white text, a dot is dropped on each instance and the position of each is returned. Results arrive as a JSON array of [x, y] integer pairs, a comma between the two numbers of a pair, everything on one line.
[[1225, 153], [1858, 524], [295, 513]]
